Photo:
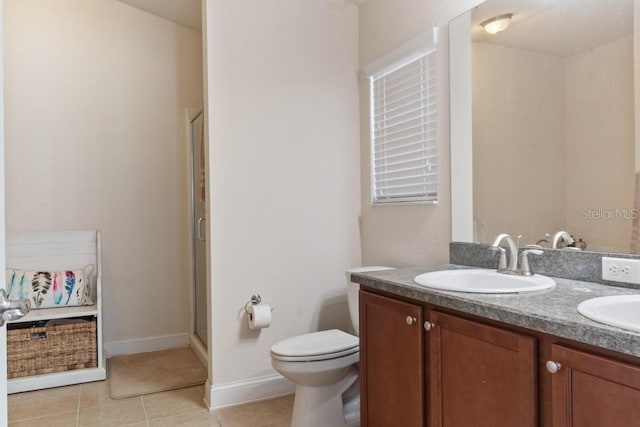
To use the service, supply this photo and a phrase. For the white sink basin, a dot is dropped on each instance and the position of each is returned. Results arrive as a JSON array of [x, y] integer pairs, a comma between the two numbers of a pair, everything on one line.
[[482, 281], [622, 311]]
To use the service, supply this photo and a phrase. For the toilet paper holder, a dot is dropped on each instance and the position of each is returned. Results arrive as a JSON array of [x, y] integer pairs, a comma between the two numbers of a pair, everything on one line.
[[254, 300]]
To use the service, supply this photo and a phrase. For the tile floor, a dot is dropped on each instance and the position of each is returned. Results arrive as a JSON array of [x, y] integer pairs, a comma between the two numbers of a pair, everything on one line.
[[90, 405]]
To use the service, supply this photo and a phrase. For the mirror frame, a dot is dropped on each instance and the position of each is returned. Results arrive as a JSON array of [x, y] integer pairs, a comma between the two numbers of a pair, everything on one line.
[[460, 128]]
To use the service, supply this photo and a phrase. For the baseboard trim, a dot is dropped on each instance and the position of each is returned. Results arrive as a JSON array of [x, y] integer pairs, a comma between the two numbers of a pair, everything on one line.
[[251, 390], [142, 345], [199, 350]]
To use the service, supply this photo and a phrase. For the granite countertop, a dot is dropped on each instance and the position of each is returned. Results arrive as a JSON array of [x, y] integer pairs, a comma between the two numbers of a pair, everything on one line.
[[552, 311]]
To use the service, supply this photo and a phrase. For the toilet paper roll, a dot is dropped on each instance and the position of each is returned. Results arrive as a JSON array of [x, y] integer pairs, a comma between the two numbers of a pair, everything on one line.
[[258, 316]]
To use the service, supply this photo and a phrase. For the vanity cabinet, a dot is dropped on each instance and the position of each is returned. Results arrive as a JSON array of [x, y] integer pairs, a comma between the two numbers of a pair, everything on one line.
[[479, 374], [391, 362], [590, 390], [476, 372], [455, 370]]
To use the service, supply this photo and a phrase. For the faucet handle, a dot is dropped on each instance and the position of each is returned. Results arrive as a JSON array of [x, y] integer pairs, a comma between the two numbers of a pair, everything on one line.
[[518, 237], [525, 267], [502, 263]]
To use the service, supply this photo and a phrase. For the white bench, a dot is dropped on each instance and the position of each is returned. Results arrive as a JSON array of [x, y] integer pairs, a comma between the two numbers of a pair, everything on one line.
[[59, 250]]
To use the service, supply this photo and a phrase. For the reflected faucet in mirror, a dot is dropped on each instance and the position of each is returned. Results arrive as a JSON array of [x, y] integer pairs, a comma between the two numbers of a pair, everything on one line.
[[560, 240], [561, 235]]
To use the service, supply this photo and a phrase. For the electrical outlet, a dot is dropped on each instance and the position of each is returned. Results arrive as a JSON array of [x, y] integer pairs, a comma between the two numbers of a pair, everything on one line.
[[621, 270]]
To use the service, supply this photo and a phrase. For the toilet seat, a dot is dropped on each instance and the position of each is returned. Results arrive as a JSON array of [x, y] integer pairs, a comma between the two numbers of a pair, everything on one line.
[[315, 358], [323, 345]]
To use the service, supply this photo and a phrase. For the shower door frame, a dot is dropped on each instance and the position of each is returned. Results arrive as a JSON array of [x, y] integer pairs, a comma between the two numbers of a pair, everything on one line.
[[196, 344]]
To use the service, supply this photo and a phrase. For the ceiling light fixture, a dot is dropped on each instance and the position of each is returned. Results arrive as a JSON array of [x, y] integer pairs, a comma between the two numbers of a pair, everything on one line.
[[497, 23]]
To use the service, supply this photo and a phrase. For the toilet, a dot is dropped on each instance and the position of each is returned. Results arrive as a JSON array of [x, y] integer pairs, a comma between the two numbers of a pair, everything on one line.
[[324, 367]]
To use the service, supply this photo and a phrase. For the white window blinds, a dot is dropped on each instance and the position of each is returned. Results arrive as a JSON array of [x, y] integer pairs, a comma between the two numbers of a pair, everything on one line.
[[403, 130]]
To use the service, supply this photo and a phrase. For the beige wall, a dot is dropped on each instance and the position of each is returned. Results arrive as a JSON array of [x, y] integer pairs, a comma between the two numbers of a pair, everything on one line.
[[285, 197], [518, 142], [415, 234], [95, 93], [636, 79], [553, 137], [600, 144]]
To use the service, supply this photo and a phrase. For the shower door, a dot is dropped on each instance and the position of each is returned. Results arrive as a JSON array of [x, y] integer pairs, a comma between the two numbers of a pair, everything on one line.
[[199, 228]]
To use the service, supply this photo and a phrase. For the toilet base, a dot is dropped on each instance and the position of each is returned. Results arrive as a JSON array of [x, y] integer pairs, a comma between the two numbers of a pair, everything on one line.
[[323, 406]]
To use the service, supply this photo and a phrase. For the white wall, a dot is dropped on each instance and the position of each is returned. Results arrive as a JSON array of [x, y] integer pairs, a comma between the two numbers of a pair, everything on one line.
[[3, 331], [284, 179], [419, 234], [95, 93]]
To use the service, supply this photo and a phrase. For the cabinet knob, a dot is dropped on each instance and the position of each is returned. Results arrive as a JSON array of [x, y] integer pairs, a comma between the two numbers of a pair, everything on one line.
[[428, 326], [411, 320], [553, 367]]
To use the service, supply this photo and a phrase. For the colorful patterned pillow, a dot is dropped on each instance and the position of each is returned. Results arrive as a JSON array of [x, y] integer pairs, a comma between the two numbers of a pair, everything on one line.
[[47, 289]]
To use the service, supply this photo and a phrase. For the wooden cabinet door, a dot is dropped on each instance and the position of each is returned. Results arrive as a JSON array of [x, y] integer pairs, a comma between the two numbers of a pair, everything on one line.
[[480, 375], [593, 391], [391, 362]]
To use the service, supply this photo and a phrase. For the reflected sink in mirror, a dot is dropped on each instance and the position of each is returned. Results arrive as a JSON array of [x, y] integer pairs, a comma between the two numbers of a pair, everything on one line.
[[622, 311], [483, 281]]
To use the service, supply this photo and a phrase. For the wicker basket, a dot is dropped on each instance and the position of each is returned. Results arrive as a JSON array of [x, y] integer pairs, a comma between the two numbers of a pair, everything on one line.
[[46, 349]]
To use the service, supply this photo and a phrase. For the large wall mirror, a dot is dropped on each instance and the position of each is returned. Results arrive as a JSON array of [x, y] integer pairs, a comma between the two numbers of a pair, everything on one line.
[[552, 122]]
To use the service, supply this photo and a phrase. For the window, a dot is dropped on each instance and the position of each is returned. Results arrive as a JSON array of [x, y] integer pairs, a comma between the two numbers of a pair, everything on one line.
[[403, 97]]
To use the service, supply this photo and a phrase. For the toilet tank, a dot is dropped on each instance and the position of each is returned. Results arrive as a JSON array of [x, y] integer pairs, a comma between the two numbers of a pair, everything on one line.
[[352, 294]]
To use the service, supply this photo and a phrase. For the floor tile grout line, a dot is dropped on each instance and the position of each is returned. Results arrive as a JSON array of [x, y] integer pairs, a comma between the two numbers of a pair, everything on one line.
[[78, 408], [144, 409], [30, 418]]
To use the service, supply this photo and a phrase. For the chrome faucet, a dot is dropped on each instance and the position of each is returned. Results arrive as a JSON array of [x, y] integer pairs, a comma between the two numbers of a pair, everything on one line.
[[512, 268], [561, 235], [513, 254]]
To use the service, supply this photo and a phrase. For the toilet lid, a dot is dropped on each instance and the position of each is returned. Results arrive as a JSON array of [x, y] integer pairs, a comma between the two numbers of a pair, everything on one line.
[[316, 346]]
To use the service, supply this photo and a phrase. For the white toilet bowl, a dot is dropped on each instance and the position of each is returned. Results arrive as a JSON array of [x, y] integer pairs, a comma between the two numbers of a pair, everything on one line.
[[324, 367]]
